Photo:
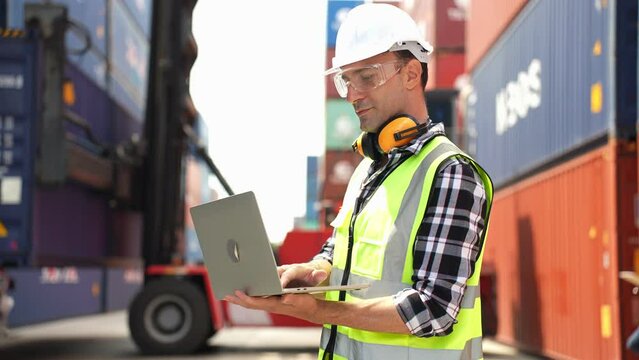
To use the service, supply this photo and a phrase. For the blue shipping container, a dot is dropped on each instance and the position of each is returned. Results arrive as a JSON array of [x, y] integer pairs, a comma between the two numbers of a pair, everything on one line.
[[120, 286], [119, 35], [312, 189], [17, 120], [337, 10], [50, 293], [561, 77], [129, 57], [89, 16], [141, 11]]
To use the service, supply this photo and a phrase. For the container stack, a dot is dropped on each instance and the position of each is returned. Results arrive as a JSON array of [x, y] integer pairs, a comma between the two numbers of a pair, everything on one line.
[[71, 247], [342, 126], [551, 114], [197, 191]]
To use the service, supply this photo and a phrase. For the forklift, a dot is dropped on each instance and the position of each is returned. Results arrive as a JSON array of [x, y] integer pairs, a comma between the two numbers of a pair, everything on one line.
[[176, 312]]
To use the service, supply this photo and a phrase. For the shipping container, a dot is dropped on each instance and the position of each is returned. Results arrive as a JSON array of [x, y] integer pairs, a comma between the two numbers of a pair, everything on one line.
[[141, 11], [331, 90], [118, 36], [73, 237], [485, 22], [560, 80], [17, 91], [338, 166], [442, 22], [342, 125], [556, 245], [197, 191], [312, 193], [92, 103], [551, 115], [51, 293], [89, 19], [444, 70], [129, 60], [120, 285], [441, 109], [337, 10]]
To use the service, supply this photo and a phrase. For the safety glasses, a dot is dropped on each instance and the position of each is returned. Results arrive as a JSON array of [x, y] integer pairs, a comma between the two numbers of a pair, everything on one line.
[[366, 78]]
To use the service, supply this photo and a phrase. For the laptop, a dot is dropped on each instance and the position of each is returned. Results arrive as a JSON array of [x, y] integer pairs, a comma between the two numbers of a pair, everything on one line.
[[237, 252]]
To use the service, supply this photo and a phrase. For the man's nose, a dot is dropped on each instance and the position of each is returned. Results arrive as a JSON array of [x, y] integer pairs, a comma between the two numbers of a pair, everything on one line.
[[353, 95]]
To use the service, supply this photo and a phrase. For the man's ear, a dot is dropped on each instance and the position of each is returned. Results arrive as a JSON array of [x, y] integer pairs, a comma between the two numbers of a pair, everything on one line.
[[413, 74]]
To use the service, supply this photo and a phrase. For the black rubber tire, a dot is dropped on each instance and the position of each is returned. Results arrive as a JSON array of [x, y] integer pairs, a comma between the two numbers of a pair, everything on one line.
[[170, 316]]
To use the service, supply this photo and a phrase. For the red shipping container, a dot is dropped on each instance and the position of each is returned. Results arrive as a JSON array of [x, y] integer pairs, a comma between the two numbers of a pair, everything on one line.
[[338, 166], [557, 243], [450, 26], [486, 20], [442, 22], [443, 70], [331, 91]]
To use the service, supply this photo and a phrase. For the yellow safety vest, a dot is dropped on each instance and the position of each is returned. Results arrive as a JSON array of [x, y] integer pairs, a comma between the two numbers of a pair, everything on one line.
[[383, 234]]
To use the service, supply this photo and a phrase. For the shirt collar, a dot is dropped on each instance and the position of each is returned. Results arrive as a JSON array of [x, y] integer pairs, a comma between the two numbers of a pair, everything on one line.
[[415, 145]]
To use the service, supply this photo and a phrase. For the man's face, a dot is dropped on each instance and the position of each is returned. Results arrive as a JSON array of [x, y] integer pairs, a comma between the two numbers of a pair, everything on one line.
[[374, 107]]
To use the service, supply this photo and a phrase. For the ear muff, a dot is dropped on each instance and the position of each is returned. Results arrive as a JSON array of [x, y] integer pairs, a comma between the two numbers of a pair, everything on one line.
[[395, 132], [366, 145]]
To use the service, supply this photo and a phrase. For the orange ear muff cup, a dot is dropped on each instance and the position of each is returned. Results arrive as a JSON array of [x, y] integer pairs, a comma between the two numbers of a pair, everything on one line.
[[357, 145], [386, 139], [396, 132]]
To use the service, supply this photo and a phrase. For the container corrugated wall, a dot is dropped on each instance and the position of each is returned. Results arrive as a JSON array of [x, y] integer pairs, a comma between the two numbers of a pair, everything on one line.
[[119, 31], [331, 90], [547, 87], [17, 114], [337, 10], [312, 192], [338, 166], [342, 125], [443, 22], [129, 57], [554, 243], [486, 20]]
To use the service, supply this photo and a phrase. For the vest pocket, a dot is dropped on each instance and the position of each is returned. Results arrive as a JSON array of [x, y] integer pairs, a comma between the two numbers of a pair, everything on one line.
[[368, 254]]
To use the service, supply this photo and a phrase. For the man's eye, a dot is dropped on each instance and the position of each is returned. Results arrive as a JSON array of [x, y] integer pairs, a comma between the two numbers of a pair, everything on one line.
[[367, 77]]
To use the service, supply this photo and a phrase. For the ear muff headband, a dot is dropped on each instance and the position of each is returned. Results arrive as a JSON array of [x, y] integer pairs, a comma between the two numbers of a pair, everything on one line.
[[395, 132]]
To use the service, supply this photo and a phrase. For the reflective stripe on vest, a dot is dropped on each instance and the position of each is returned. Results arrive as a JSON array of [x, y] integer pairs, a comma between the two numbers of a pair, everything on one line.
[[384, 232], [468, 301], [346, 348]]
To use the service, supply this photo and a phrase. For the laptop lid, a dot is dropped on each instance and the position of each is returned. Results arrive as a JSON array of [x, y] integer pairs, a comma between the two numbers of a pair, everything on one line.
[[236, 249]]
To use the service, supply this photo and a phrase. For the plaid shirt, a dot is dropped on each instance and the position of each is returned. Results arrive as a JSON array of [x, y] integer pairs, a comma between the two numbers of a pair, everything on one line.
[[447, 243]]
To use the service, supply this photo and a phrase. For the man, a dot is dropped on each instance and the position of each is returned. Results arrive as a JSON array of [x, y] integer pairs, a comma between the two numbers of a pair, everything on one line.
[[414, 216]]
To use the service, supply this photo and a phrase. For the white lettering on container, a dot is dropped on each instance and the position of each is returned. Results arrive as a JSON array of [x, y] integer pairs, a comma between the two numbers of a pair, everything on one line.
[[513, 102], [11, 81]]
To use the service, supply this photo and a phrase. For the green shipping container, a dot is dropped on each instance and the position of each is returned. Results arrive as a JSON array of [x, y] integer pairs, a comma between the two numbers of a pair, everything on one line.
[[342, 125]]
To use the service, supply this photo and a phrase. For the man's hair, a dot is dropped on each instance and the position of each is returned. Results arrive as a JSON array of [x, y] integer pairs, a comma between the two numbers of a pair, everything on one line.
[[407, 56]]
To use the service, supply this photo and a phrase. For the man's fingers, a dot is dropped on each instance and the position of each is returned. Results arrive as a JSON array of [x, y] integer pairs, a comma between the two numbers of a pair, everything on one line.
[[282, 269], [319, 276], [302, 275], [292, 273]]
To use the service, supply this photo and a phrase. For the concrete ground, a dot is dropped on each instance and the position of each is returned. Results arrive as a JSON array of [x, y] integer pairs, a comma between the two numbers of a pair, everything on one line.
[[106, 336]]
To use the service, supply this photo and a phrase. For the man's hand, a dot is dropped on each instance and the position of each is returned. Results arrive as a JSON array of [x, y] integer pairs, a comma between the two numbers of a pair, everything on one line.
[[308, 274], [302, 306]]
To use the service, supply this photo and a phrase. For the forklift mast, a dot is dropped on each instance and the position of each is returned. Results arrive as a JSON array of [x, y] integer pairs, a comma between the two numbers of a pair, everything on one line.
[[169, 111]]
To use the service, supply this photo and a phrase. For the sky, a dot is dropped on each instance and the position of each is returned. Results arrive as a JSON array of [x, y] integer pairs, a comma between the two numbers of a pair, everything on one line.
[[258, 82]]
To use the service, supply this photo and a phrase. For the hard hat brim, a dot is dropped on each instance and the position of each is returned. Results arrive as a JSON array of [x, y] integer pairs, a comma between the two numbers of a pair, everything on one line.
[[419, 48]]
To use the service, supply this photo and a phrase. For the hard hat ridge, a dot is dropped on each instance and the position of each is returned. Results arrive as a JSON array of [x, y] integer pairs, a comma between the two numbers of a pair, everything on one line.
[[373, 28]]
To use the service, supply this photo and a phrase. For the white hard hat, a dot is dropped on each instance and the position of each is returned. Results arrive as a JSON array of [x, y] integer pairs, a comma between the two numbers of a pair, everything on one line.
[[371, 29]]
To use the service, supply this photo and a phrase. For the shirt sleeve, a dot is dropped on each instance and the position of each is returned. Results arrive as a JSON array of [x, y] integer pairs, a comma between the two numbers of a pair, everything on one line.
[[326, 253], [447, 246]]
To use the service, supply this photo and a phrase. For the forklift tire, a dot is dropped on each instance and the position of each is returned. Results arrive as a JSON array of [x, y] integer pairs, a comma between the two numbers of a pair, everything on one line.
[[170, 316]]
